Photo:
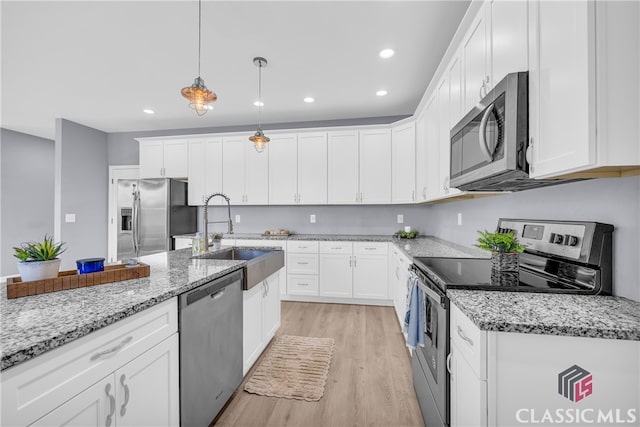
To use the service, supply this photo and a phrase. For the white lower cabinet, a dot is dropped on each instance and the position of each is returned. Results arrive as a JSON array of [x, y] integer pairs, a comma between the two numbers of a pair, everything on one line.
[[370, 270], [124, 374], [398, 277], [302, 268], [260, 319], [508, 379]]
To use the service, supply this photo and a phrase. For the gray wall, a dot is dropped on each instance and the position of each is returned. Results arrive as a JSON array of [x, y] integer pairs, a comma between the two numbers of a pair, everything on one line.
[[615, 201], [26, 183], [81, 188], [123, 148]]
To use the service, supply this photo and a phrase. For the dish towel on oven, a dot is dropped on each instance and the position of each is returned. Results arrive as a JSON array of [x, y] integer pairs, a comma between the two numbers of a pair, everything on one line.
[[414, 318]]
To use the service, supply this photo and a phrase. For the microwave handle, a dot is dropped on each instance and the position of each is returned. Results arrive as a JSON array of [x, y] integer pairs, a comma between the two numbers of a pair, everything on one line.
[[482, 140]]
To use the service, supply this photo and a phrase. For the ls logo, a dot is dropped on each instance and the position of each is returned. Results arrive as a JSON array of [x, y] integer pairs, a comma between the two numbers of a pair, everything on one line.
[[575, 383]]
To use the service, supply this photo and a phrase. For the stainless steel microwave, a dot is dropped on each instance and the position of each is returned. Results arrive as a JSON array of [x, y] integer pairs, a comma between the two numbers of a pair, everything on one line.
[[488, 146]]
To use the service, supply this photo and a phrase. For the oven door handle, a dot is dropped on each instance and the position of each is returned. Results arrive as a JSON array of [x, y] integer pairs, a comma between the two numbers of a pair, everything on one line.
[[482, 140], [431, 293]]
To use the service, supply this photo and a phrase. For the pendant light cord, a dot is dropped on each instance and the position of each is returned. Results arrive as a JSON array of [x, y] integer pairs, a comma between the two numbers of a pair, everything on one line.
[[199, 32], [259, 93]]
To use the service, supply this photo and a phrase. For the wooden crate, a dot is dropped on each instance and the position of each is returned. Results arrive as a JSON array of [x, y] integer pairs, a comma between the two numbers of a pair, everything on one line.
[[70, 279]]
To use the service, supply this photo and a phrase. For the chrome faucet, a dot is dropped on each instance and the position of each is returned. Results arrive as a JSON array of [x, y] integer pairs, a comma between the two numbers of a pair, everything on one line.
[[207, 199]]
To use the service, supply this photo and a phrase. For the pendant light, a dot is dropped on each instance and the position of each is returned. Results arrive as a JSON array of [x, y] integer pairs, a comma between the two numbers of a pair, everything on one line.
[[197, 94], [259, 139]]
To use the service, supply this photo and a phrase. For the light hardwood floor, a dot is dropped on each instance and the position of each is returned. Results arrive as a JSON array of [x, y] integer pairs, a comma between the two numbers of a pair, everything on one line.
[[369, 381]]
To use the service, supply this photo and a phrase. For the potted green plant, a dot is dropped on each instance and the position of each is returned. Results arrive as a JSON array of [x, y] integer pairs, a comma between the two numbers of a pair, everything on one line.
[[39, 260], [505, 249]]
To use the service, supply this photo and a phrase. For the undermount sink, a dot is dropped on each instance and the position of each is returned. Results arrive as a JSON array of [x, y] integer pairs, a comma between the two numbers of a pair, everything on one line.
[[261, 263]]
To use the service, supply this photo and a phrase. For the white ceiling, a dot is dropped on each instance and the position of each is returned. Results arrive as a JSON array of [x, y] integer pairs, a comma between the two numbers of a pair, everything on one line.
[[101, 63]]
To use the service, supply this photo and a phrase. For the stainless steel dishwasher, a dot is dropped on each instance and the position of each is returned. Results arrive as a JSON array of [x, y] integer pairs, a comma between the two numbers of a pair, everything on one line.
[[210, 348]]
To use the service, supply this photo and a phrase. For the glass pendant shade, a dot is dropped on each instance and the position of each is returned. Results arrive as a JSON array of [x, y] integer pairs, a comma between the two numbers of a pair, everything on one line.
[[199, 96], [259, 140]]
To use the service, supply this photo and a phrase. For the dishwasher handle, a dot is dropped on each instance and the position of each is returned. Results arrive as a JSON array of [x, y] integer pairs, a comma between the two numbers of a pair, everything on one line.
[[211, 289]]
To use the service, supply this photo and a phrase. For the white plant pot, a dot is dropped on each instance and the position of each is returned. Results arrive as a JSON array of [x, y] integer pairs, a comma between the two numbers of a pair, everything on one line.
[[39, 270]]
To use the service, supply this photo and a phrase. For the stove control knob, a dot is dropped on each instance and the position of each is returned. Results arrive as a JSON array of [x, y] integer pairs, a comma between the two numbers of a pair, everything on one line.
[[571, 240], [557, 238]]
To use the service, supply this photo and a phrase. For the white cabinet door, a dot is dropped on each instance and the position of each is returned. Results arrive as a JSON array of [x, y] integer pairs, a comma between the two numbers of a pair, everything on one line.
[[421, 158], [147, 388], [509, 39], [434, 184], [94, 407], [561, 113], [213, 168], [403, 168], [375, 166], [151, 159], [197, 170], [283, 169], [251, 326], [444, 138], [312, 168], [455, 91], [176, 162], [474, 56], [370, 276], [343, 186], [256, 178], [233, 149], [271, 306], [336, 275], [468, 393]]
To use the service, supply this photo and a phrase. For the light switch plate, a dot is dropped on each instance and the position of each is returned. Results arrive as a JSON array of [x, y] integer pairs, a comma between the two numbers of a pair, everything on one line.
[[237, 221], [312, 219], [459, 218], [400, 218]]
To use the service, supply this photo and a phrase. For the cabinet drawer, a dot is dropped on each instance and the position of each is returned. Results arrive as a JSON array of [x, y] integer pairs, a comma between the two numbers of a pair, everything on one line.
[[470, 340], [37, 386], [302, 247], [336, 248], [302, 285], [302, 263], [373, 248]]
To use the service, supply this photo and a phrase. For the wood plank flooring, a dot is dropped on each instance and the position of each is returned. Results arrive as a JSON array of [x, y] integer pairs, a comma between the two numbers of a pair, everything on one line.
[[369, 381]]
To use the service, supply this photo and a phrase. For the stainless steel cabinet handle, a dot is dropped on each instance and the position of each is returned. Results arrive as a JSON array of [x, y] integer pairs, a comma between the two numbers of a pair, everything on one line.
[[336, 247], [398, 272], [480, 90], [413, 195], [303, 263], [449, 363], [355, 261], [111, 350], [482, 140], [370, 249], [112, 405], [529, 154], [302, 284], [123, 408], [302, 247], [464, 337]]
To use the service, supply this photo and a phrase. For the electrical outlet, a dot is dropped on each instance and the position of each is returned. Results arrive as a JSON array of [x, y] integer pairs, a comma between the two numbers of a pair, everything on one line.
[[312, 219], [237, 219], [400, 218], [69, 217], [459, 218]]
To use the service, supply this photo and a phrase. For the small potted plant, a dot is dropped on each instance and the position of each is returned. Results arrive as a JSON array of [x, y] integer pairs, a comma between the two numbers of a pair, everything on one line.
[[505, 249], [39, 260], [216, 239]]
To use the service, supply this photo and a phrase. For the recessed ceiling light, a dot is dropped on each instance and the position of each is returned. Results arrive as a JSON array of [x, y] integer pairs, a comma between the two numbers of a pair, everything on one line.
[[148, 111], [381, 93], [309, 100], [258, 104], [386, 53]]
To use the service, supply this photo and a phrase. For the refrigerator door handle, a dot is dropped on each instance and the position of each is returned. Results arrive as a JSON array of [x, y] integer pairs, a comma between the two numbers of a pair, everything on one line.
[[136, 221]]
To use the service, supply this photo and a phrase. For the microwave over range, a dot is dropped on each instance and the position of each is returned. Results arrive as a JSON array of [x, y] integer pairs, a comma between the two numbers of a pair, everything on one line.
[[489, 145]]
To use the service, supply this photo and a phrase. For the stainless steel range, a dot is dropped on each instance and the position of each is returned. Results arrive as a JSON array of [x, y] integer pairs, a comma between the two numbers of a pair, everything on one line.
[[573, 257]]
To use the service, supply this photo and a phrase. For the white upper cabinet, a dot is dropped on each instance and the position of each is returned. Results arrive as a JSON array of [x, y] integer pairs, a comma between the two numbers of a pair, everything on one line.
[[434, 183], [163, 159], [421, 157], [205, 169], [509, 38], [578, 123], [342, 151], [312, 168], [245, 172], [475, 47], [375, 167], [283, 170], [454, 72], [444, 138], [403, 163]]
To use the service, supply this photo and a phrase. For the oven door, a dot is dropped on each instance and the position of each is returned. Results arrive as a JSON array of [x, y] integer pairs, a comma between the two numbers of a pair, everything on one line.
[[432, 357]]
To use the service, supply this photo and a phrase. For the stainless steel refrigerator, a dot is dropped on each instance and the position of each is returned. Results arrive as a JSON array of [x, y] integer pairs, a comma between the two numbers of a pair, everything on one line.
[[150, 212]]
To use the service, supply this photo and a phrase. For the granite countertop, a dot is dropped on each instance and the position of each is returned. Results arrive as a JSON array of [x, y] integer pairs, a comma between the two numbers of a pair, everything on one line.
[[551, 314], [35, 324]]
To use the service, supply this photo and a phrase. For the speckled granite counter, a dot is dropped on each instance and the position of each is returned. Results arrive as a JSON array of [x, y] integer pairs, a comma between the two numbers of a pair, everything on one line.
[[551, 314], [423, 246], [35, 324]]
